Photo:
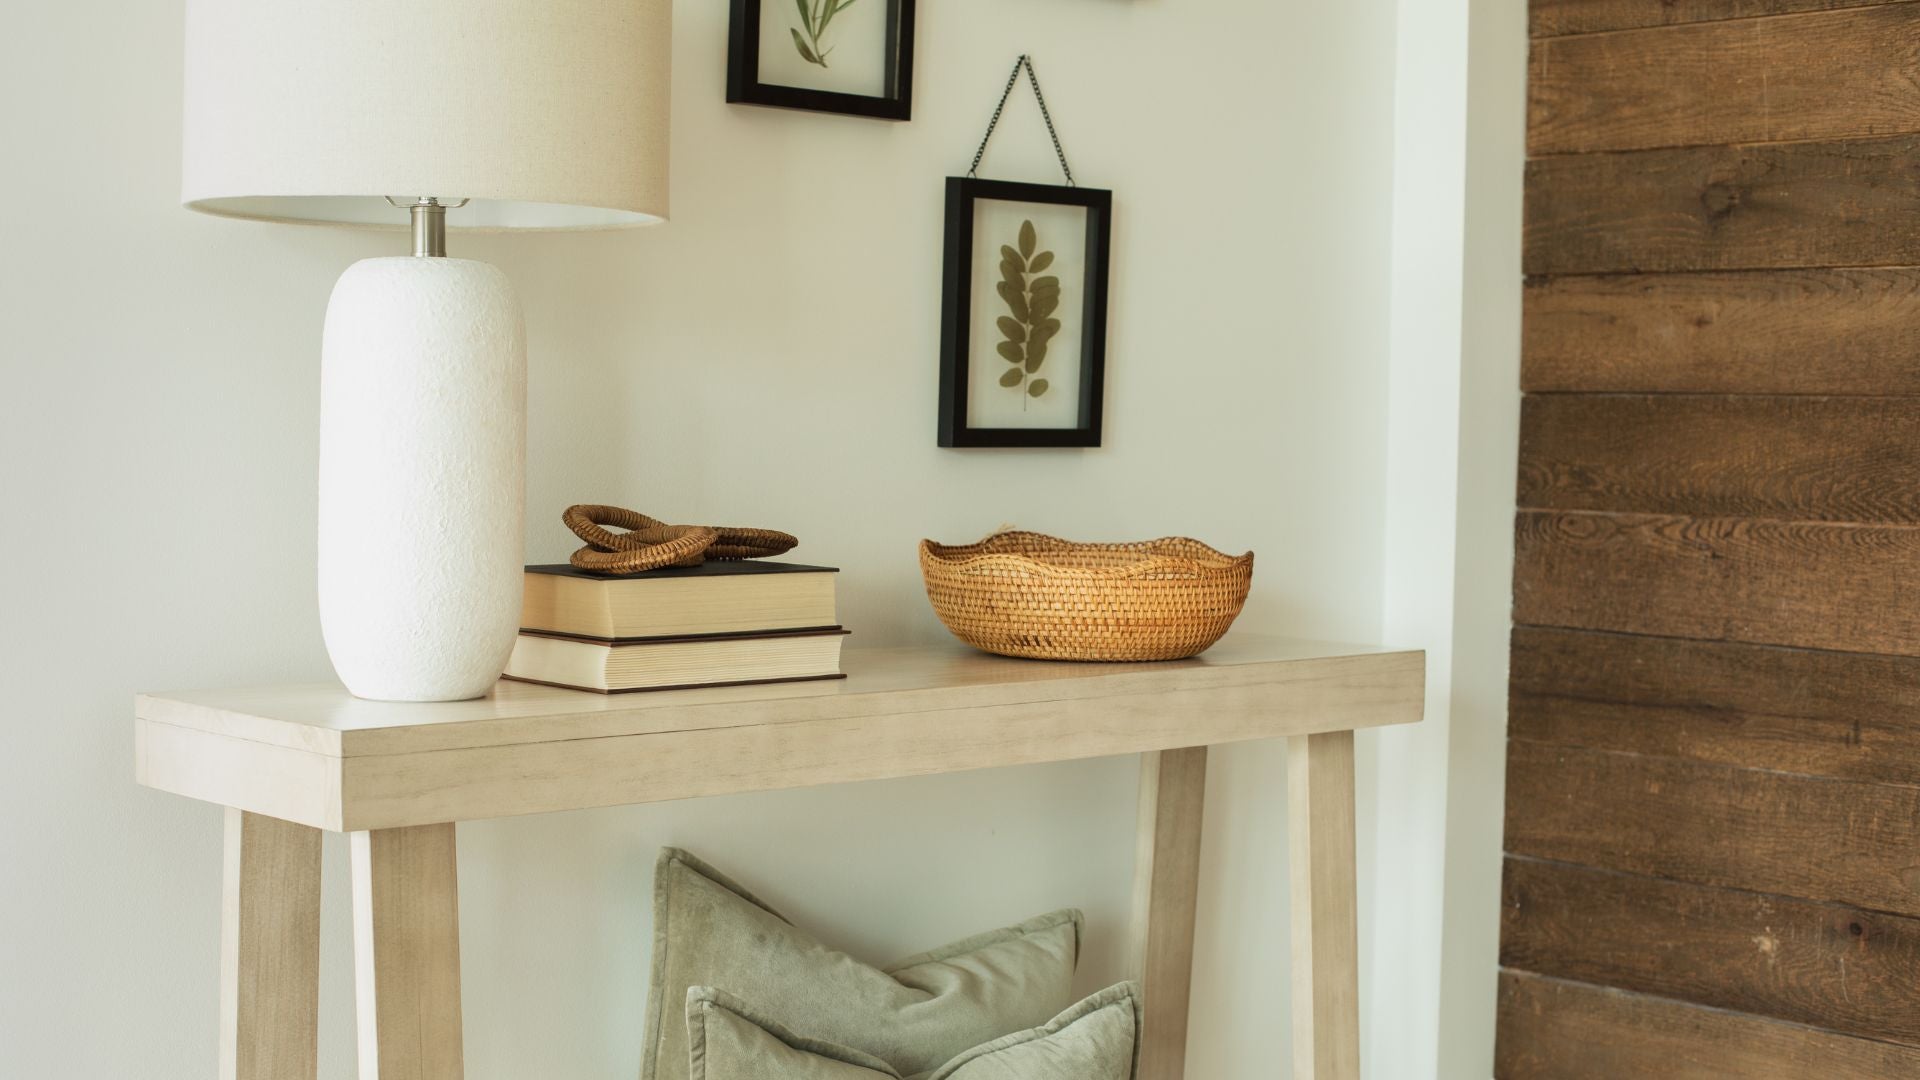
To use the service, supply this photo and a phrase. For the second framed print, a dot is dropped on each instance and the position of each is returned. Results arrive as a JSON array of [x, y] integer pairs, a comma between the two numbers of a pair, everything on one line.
[[1023, 324], [843, 56]]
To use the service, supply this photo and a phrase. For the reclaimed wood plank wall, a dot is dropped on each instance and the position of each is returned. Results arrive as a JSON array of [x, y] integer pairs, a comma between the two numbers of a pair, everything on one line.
[[1713, 779]]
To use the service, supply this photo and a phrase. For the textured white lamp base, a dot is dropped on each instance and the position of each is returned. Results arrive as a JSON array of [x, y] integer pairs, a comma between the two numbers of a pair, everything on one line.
[[423, 406]]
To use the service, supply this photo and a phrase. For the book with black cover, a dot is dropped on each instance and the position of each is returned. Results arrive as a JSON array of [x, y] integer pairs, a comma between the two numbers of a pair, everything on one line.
[[710, 568]]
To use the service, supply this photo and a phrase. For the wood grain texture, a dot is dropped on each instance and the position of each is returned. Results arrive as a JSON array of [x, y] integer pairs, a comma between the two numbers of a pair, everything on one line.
[[406, 938], [1845, 587], [1556, 1030], [1815, 963], [1775, 205], [1024, 714], [1824, 75], [269, 950], [1851, 716], [1713, 789], [1806, 459], [274, 781], [1762, 332], [1550, 17], [1326, 939], [1835, 840], [1173, 795], [323, 718]]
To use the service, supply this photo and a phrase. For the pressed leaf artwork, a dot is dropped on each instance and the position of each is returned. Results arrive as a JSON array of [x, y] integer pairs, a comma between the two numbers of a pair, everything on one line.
[[1023, 308], [1032, 300], [815, 17]]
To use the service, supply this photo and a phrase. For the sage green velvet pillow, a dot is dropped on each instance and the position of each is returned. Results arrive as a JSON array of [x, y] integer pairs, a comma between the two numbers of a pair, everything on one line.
[[726, 1042], [914, 1016], [1097, 1039]]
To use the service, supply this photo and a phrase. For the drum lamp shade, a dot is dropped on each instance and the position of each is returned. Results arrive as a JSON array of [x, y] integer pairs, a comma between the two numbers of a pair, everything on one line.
[[547, 114]]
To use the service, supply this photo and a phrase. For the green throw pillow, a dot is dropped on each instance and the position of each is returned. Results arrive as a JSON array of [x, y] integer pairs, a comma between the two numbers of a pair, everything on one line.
[[1097, 1039], [726, 1042], [914, 1016]]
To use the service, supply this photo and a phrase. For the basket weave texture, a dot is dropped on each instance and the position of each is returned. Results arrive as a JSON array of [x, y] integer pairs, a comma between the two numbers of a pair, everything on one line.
[[1037, 596], [649, 545]]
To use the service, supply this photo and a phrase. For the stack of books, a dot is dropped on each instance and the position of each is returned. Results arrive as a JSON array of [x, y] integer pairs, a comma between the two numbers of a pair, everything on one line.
[[717, 624]]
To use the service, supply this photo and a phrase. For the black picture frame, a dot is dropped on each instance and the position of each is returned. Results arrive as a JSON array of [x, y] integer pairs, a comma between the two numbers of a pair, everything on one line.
[[743, 69], [956, 314]]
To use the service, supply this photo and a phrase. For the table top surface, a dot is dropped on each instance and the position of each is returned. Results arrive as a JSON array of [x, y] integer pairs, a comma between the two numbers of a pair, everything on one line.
[[321, 757], [325, 719]]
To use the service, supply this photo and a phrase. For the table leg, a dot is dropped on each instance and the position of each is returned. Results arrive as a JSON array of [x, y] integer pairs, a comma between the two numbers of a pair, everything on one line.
[[1173, 787], [406, 953], [269, 950], [1326, 940]]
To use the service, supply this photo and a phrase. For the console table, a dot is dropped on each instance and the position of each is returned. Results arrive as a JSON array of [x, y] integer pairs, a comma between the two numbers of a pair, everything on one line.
[[290, 761]]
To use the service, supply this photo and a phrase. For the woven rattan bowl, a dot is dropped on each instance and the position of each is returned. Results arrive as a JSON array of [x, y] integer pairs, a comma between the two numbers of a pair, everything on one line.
[[1025, 594]]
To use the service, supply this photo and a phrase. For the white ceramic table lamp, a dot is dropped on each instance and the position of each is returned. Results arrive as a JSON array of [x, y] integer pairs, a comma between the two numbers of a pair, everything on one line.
[[486, 114]]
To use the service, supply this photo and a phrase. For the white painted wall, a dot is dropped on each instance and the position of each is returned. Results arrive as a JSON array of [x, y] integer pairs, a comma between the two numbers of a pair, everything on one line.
[[767, 358], [1422, 484], [1489, 441], [1453, 435]]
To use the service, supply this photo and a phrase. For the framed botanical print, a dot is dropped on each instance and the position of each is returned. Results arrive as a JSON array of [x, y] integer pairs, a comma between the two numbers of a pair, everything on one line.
[[1024, 314], [842, 56]]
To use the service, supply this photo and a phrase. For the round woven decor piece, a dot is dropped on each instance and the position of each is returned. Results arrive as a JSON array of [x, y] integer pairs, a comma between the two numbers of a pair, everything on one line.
[[649, 544], [1030, 595], [737, 543]]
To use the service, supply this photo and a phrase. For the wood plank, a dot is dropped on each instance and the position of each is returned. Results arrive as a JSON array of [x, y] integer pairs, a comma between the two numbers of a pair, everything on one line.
[[1833, 840], [881, 681], [406, 938], [1556, 1030], [390, 790], [1825, 965], [273, 781], [1845, 587], [1550, 17], [1850, 716], [269, 950], [1325, 907], [1824, 75], [907, 737], [1775, 205], [1713, 212], [1173, 795], [1768, 332], [1812, 459]]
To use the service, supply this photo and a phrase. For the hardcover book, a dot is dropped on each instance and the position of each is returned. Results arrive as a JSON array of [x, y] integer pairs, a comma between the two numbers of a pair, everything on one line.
[[736, 597], [623, 666]]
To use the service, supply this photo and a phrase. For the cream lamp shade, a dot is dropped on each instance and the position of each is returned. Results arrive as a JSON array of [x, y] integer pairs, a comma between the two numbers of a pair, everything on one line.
[[546, 114]]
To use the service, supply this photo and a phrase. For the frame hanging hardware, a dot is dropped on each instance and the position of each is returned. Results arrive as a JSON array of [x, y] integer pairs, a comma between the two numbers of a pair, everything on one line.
[[1033, 77]]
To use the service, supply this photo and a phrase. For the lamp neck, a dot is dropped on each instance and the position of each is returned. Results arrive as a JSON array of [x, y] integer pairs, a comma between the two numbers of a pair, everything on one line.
[[429, 228]]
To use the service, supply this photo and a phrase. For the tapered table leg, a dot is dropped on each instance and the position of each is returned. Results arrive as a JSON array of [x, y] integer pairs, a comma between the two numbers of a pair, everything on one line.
[[1173, 787], [269, 950], [406, 953], [1326, 940]]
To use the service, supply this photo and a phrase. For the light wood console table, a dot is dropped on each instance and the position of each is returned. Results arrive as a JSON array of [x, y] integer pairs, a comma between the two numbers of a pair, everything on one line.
[[288, 762]]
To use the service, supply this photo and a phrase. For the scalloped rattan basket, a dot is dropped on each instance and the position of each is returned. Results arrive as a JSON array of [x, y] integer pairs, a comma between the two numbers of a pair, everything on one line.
[[1027, 594]]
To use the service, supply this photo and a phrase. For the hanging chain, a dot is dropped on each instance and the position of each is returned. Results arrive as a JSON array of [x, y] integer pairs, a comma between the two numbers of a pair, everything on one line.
[[1013, 78]]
